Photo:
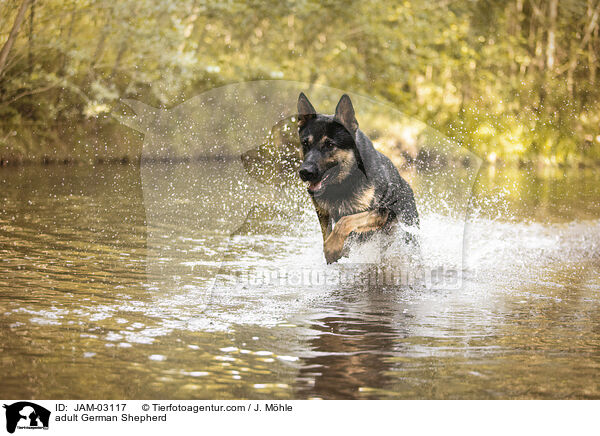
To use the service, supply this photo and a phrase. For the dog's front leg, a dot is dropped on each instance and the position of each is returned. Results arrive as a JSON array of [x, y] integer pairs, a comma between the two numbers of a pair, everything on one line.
[[359, 223], [324, 221]]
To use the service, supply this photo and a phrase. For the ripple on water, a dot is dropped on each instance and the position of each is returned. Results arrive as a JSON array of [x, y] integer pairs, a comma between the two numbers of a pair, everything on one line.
[[81, 287]]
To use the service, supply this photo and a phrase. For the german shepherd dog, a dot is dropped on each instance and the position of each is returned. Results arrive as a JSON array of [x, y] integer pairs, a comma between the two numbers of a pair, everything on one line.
[[355, 189]]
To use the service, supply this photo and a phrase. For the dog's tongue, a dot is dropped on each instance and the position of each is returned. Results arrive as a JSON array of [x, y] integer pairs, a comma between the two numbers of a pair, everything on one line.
[[315, 186]]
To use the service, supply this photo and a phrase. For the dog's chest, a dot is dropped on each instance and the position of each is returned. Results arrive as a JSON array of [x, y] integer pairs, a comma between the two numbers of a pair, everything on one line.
[[355, 202]]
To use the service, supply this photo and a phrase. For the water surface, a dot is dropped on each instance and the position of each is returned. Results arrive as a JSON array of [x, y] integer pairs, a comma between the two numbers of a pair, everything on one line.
[[102, 296]]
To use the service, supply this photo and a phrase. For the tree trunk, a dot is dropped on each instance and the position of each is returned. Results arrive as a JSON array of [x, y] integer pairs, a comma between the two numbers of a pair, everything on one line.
[[13, 34], [592, 17], [120, 53], [91, 74], [551, 46], [537, 35], [30, 53], [593, 57]]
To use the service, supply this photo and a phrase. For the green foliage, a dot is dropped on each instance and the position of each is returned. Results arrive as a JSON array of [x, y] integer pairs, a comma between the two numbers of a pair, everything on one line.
[[484, 72]]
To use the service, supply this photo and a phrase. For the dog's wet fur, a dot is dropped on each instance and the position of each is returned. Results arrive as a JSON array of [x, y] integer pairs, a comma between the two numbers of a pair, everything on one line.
[[356, 190]]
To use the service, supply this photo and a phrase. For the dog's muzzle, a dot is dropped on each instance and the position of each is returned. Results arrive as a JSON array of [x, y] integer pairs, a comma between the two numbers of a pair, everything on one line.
[[309, 173]]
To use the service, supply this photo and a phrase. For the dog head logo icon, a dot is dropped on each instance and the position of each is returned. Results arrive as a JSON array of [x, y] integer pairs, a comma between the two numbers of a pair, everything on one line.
[[26, 415]]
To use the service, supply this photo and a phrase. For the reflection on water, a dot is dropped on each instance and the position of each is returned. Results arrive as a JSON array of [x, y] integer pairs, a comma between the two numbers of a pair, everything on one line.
[[82, 315], [358, 367]]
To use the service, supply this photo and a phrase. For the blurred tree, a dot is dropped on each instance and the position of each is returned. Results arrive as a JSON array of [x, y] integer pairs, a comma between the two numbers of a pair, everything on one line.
[[13, 34], [514, 79]]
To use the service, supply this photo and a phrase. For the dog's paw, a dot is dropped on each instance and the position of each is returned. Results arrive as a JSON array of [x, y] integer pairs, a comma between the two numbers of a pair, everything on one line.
[[331, 257], [333, 248]]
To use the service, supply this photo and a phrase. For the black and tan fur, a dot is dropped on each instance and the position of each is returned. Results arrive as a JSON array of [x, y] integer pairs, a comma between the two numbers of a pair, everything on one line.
[[355, 189]]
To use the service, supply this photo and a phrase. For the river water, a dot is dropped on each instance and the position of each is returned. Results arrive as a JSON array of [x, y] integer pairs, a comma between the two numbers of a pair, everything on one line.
[[104, 294]]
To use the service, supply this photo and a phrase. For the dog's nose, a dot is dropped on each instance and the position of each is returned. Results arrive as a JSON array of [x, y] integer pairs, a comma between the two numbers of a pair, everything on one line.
[[308, 173]]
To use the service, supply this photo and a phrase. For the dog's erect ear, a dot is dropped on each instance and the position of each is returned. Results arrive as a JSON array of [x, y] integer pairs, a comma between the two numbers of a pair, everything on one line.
[[344, 113], [306, 111]]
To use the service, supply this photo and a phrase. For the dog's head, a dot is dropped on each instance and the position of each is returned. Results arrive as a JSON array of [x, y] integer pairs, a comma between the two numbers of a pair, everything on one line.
[[329, 151]]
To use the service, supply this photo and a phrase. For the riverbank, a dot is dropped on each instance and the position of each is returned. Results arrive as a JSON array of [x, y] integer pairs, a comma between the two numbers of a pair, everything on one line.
[[103, 141], [424, 161]]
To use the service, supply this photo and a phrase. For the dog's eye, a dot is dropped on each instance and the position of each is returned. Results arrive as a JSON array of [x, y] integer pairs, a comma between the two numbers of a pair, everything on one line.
[[327, 144]]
